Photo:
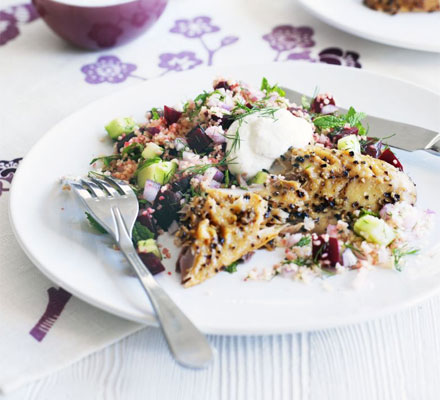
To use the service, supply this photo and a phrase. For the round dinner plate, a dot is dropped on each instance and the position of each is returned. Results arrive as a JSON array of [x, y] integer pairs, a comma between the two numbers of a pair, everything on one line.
[[52, 230], [411, 30]]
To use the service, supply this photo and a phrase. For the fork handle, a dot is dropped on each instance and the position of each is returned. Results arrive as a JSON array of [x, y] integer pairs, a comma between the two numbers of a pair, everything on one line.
[[188, 345]]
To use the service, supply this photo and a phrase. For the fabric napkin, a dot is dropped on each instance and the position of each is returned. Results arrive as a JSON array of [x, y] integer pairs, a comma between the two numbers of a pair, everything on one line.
[[43, 79]]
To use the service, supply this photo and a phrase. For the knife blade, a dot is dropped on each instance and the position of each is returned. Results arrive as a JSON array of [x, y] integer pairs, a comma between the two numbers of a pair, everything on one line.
[[406, 137]]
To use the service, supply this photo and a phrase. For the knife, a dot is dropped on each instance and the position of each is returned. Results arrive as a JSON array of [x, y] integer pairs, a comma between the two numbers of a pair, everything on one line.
[[406, 137]]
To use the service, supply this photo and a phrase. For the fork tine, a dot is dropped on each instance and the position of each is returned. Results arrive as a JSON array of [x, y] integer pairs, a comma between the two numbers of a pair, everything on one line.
[[121, 185], [93, 188], [79, 190], [109, 188]]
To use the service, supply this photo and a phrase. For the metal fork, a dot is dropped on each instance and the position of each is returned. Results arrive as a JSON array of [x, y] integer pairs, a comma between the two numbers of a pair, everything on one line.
[[114, 205]]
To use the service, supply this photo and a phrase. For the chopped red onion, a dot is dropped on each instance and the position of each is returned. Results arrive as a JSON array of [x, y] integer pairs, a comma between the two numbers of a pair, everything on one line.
[[219, 175], [329, 109], [215, 134], [151, 190]]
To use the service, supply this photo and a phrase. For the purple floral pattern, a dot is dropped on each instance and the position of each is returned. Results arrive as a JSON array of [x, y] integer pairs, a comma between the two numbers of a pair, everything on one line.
[[7, 171], [178, 62], [12, 17], [287, 37], [297, 44], [196, 28], [336, 56], [58, 299], [108, 69]]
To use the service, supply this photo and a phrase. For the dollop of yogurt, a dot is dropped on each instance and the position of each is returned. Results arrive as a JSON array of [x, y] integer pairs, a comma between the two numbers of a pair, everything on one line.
[[258, 139]]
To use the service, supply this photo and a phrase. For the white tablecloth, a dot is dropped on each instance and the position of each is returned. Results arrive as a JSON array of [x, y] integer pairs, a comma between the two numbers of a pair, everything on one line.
[[42, 80]]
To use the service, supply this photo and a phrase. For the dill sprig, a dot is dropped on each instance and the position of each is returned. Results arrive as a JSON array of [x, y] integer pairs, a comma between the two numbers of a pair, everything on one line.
[[399, 253]]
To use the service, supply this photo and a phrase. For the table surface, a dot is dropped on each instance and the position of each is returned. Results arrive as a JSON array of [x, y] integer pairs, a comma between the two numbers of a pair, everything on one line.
[[396, 357]]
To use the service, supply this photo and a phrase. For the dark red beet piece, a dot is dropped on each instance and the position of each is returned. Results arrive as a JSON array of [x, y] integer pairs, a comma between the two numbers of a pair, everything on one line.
[[166, 206], [344, 132], [181, 185], [389, 157], [227, 121], [153, 130], [171, 115], [152, 262], [148, 221], [198, 140], [325, 251], [222, 84], [320, 101]]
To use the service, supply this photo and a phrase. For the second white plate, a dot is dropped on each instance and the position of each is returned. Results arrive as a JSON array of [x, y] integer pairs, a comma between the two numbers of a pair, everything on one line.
[[416, 31]]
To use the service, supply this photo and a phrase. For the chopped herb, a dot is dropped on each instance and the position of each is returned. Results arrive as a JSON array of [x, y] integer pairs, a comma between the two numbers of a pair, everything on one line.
[[133, 151], [305, 102], [140, 232], [318, 253], [232, 267], [304, 241], [106, 159], [298, 261], [352, 118], [353, 249], [95, 224], [399, 253], [148, 162], [271, 89], [227, 178], [368, 212], [155, 113]]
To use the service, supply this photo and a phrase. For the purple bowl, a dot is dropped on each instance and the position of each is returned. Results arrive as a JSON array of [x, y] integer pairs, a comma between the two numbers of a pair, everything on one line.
[[91, 26]]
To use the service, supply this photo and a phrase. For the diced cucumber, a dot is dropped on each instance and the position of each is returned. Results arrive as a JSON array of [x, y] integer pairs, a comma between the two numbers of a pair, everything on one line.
[[152, 150], [260, 178], [118, 126], [149, 246], [349, 143], [160, 172], [374, 230]]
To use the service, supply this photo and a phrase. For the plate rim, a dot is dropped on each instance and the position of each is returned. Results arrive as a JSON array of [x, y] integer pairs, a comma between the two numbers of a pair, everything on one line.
[[150, 320], [353, 30]]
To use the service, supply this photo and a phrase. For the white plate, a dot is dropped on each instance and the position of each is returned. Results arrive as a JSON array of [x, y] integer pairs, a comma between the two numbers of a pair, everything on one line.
[[53, 232], [417, 31]]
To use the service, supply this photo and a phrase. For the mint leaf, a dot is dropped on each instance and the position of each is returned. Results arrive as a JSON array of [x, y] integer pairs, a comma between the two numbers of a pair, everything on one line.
[[265, 87], [140, 232], [232, 267], [304, 241], [106, 159], [155, 113], [95, 224]]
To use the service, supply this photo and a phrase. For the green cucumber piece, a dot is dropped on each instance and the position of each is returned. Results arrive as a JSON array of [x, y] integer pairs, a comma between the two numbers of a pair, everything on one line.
[[349, 143], [374, 230], [118, 126], [149, 246], [260, 178], [160, 172], [152, 150]]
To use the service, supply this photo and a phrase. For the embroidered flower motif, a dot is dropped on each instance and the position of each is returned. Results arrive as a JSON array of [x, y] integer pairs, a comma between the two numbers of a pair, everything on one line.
[[178, 62], [336, 56], [287, 37], [304, 55], [23, 13], [7, 171], [105, 35], [8, 28], [107, 69], [194, 28]]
